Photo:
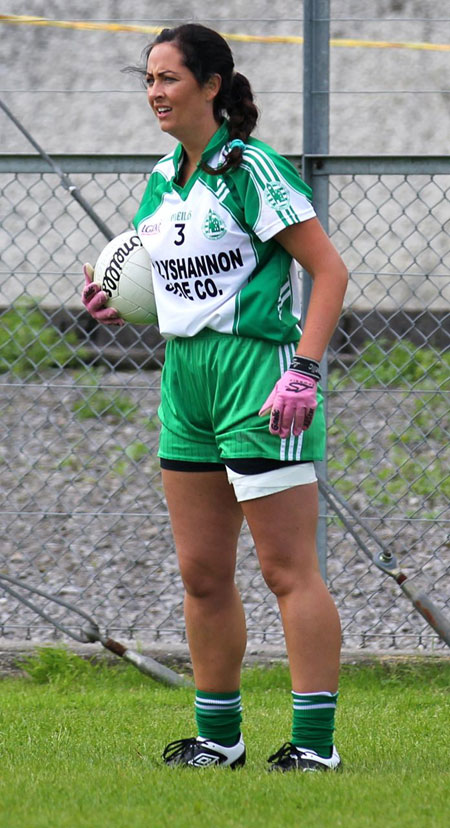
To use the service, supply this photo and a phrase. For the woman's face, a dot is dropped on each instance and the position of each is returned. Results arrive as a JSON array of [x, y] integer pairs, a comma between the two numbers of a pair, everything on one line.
[[180, 104]]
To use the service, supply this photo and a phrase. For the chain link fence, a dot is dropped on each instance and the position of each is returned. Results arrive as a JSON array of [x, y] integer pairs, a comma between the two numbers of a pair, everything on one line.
[[82, 511]]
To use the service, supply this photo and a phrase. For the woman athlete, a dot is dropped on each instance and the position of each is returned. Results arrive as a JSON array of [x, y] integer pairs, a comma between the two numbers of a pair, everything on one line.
[[227, 221]]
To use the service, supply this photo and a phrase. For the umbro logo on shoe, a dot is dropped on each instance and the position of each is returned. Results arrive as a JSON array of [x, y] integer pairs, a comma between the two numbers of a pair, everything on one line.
[[204, 759], [202, 753]]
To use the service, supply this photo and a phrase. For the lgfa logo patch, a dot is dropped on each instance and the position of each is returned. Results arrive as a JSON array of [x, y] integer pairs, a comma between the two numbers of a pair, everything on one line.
[[276, 195], [213, 226]]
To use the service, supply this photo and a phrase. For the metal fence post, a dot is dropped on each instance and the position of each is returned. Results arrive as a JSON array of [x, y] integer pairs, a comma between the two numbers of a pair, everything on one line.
[[316, 72]]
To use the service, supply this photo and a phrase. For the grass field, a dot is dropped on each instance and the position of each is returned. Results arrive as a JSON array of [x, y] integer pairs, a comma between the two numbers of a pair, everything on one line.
[[80, 745]]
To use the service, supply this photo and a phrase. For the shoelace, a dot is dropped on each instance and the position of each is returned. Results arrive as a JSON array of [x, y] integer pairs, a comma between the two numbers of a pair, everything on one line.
[[283, 756], [180, 748]]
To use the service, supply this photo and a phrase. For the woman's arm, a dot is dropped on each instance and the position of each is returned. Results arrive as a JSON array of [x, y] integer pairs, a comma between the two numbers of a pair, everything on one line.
[[310, 246]]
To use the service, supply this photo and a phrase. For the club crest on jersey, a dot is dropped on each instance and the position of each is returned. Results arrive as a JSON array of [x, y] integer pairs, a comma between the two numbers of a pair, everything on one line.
[[276, 195], [213, 226]]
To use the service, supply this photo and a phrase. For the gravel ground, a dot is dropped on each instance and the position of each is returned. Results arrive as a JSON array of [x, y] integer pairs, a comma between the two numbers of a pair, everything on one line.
[[83, 516]]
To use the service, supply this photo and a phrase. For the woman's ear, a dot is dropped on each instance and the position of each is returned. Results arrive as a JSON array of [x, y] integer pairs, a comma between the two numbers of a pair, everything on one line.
[[212, 86]]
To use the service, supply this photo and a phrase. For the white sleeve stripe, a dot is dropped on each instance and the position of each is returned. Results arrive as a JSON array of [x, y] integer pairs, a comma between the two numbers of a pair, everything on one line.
[[251, 171], [290, 216], [263, 160], [259, 186], [264, 164]]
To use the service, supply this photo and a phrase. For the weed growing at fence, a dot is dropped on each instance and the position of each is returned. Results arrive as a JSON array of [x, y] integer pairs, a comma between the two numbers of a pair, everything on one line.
[[421, 427], [395, 365], [57, 665], [96, 402], [81, 745], [399, 474], [413, 464], [134, 453], [30, 343]]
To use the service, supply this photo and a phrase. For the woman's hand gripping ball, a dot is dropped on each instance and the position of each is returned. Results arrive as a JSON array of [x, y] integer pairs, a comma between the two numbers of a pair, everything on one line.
[[293, 400], [94, 300]]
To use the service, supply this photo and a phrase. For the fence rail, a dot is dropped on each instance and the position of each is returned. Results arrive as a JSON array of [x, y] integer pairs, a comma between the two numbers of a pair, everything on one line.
[[82, 512]]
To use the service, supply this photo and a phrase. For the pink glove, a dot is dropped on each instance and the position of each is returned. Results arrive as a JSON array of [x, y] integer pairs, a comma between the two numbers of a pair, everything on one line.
[[94, 300], [293, 400]]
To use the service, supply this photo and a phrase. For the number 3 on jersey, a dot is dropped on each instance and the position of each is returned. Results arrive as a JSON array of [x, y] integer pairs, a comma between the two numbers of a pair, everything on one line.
[[181, 237]]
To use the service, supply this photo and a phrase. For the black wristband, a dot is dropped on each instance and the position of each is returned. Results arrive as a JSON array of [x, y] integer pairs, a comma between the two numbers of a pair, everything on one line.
[[307, 366]]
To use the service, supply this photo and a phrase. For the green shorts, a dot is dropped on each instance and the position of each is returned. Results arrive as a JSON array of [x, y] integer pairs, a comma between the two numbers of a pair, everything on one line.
[[213, 386]]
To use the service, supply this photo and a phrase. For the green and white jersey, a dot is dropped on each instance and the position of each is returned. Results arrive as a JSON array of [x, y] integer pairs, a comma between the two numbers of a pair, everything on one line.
[[215, 262]]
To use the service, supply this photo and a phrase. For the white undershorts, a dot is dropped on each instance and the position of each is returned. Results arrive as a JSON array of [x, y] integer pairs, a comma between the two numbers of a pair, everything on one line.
[[250, 486]]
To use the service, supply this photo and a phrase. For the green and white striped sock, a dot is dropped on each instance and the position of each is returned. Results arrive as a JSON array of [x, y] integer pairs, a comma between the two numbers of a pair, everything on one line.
[[218, 716], [313, 721]]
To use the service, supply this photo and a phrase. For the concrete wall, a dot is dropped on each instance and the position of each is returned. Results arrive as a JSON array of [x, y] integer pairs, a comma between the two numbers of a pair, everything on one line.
[[383, 100], [67, 88]]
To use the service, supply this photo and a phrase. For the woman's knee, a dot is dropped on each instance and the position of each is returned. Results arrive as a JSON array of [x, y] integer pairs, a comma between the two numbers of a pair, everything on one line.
[[283, 578], [206, 582], [277, 580]]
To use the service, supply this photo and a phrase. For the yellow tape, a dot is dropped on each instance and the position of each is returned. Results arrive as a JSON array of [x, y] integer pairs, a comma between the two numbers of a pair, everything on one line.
[[244, 38], [391, 44], [74, 24]]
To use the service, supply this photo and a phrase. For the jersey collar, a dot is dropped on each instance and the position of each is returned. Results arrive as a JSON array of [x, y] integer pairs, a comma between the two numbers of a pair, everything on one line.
[[218, 140]]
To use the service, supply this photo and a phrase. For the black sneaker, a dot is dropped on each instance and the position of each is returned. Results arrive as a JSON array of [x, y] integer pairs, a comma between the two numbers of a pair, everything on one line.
[[289, 757], [202, 753]]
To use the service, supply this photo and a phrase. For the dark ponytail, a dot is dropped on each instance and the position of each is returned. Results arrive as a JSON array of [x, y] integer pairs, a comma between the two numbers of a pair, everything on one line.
[[242, 117], [206, 53]]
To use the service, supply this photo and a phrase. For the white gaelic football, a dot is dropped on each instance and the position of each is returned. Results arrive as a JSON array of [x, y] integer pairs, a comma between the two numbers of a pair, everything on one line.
[[124, 272]]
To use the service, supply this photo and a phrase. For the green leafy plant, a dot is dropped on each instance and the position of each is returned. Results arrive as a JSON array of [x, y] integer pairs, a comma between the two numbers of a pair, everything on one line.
[[136, 451], [426, 422], [30, 343], [101, 404], [48, 665], [399, 364], [98, 402]]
